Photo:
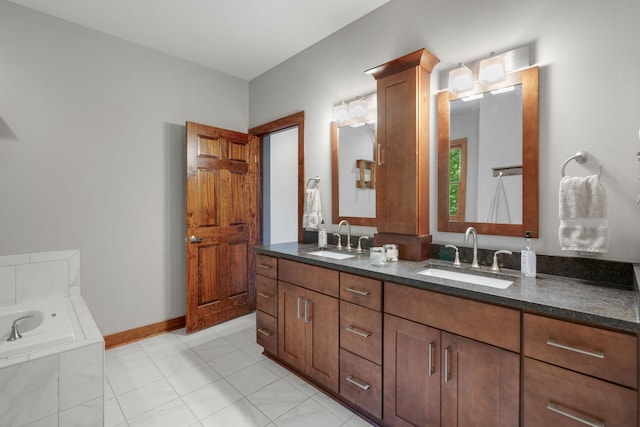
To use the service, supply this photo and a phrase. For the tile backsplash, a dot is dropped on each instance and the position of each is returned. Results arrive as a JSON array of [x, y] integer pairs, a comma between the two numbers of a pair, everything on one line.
[[26, 277]]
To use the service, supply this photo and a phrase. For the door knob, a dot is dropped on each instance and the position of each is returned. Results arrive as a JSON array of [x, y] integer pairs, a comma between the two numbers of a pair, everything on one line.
[[194, 239]]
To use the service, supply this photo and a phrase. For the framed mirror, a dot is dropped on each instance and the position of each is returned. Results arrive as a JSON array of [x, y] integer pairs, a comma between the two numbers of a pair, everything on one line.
[[353, 173], [488, 157]]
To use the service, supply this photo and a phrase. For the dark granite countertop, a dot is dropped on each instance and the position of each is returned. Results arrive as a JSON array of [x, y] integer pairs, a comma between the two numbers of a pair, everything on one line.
[[562, 297]]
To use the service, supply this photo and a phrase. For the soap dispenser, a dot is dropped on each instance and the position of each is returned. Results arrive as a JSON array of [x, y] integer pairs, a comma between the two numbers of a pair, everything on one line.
[[528, 257], [322, 236]]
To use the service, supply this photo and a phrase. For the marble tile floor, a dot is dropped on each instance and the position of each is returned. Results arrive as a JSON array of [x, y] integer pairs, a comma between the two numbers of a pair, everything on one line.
[[216, 377]]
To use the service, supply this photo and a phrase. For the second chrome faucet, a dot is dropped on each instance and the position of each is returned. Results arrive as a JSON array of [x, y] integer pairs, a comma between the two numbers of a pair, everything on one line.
[[474, 235]]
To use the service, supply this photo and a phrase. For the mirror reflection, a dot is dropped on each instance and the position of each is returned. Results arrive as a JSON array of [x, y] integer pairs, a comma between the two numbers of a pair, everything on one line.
[[488, 157], [353, 163], [485, 157]]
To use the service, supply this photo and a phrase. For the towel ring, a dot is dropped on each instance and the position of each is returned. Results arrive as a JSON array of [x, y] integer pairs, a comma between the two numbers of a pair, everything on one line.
[[580, 157]]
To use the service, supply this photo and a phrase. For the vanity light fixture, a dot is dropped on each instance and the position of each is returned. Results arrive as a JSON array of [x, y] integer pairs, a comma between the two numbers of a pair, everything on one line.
[[341, 112], [492, 70], [358, 109], [460, 79], [356, 112]]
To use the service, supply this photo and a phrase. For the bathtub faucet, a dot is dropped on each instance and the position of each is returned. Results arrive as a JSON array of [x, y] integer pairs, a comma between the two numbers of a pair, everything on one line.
[[15, 334]]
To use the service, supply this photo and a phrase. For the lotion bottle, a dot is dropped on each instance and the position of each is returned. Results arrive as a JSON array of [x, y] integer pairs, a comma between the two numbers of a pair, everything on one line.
[[322, 236], [528, 257]]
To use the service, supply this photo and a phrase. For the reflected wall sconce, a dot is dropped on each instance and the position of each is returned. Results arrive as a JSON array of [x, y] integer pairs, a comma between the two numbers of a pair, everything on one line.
[[356, 112], [492, 70], [460, 79]]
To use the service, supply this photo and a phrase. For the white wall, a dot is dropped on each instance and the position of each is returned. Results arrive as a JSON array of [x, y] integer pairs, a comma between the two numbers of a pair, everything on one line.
[[589, 54], [91, 157]]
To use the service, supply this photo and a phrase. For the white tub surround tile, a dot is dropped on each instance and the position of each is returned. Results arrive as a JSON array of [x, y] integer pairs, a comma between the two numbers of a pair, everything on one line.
[[90, 413], [63, 255], [29, 391], [13, 260], [7, 285], [42, 280], [81, 376]]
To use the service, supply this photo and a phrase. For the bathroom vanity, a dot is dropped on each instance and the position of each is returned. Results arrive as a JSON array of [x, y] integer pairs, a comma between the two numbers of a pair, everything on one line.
[[403, 349]]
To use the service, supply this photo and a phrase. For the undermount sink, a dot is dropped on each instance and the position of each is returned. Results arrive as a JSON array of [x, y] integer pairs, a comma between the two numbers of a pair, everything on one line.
[[330, 254], [467, 278]]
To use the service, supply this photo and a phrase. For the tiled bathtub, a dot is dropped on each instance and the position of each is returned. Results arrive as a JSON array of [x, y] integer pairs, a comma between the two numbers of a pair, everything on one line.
[[62, 384]]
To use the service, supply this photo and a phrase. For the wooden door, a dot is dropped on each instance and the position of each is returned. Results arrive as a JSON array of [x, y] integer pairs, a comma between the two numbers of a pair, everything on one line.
[[322, 313], [411, 373], [480, 384], [291, 327], [222, 224]]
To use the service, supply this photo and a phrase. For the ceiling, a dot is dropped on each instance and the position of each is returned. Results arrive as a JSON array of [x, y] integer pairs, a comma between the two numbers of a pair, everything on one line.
[[242, 38]]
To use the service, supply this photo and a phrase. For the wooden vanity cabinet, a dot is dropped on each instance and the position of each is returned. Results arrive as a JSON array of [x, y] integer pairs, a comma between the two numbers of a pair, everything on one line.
[[308, 316], [361, 342], [437, 369], [402, 137], [578, 375], [267, 303]]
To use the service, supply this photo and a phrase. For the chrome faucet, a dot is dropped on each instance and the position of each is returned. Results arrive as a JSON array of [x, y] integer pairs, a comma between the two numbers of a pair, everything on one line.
[[340, 224], [472, 231], [15, 334]]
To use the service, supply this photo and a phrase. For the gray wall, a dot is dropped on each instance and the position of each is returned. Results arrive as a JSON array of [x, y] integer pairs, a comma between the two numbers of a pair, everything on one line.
[[589, 58], [91, 158]]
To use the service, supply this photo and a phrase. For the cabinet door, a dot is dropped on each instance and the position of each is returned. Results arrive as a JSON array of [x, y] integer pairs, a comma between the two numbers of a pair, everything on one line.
[[480, 384], [321, 314], [411, 374], [291, 327], [396, 190]]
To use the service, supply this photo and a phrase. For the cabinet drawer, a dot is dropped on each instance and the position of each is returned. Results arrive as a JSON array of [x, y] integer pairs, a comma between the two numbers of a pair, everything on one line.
[[598, 352], [267, 332], [311, 277], [555, 396], [483, 322], [267, 295], [361, 290], [267, 266], [361, 383], [361, 331]]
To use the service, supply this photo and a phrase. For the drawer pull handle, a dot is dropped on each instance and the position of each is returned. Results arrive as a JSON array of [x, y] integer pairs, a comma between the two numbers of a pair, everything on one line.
[[596, 354], [365, 387], [576, 416], [265, 266], [265, 332], [447, 364], [307, 319], [298, 299], [358, 332], [356, 291], [263, 295], [432, 368]]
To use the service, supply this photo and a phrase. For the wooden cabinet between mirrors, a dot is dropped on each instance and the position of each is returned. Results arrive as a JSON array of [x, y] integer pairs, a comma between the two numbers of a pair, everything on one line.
[[404, 356], [402, 187]]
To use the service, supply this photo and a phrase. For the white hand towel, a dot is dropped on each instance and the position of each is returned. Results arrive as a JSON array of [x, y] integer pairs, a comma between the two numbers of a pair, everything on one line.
[[584, 225], [312, 215]]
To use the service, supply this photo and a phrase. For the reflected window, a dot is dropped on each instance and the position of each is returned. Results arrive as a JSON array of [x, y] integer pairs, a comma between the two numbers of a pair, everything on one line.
[[457, 178]]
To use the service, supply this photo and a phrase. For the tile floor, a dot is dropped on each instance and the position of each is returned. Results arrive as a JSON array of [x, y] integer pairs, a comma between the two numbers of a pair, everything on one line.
[[216, 377]]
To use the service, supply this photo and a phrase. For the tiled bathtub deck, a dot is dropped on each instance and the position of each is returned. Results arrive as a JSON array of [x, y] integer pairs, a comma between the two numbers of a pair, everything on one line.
[[217, 377]]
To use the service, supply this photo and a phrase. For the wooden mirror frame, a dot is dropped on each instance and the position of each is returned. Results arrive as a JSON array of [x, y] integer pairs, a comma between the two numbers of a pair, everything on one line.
[[335, 185], [530, 163]]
